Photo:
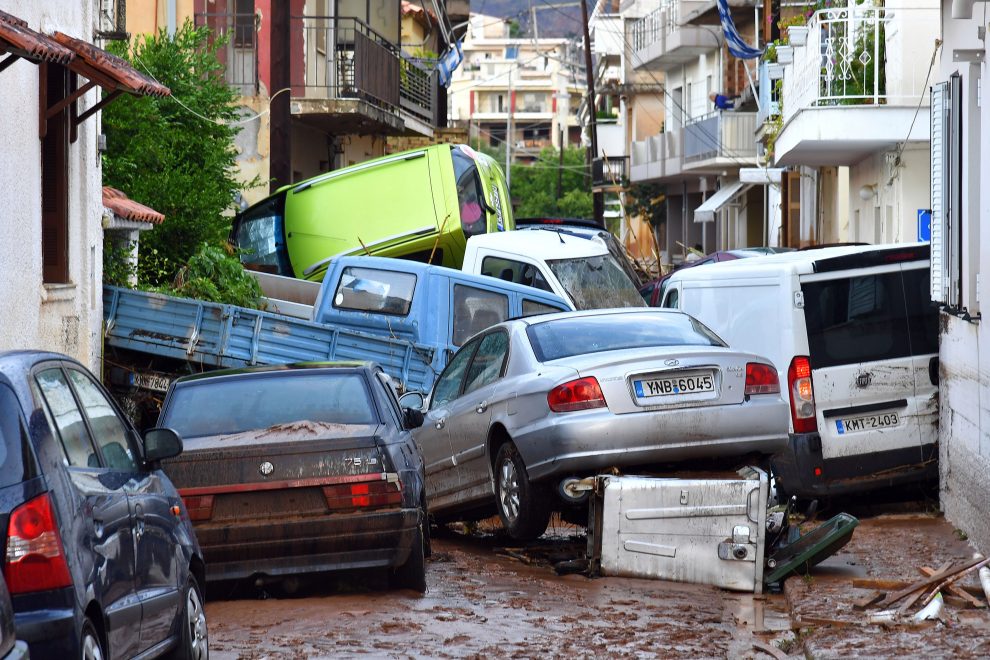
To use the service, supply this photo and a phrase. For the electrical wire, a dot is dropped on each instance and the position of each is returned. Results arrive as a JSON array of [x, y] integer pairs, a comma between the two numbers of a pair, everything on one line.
[[921, 100]]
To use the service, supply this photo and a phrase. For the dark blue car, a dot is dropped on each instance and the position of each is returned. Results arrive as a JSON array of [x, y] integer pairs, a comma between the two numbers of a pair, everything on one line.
[[99, 553]]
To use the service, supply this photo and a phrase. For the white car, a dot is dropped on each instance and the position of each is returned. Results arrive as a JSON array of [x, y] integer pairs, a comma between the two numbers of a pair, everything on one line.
[[531, 403]]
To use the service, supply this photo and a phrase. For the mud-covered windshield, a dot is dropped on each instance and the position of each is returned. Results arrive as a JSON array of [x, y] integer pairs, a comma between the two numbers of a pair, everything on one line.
[[470, 195], [596, 282], [259, 234]]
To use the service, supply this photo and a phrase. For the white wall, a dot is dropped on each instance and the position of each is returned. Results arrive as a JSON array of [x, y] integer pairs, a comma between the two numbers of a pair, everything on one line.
[[900, 191], [964, 350], [65, 318]]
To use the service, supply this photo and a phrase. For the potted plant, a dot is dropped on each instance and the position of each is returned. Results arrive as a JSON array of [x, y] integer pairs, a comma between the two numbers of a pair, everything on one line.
[[775, 71], [785, 54], [796, 29]]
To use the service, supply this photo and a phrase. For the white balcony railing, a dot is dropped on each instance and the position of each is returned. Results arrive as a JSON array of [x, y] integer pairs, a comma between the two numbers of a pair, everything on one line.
[[862, 56], [720, 134], [662, 20]]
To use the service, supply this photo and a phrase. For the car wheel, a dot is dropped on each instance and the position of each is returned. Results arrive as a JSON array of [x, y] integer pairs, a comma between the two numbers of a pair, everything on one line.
[[412, 574], [523, 507], [193, 638], [90, 647]]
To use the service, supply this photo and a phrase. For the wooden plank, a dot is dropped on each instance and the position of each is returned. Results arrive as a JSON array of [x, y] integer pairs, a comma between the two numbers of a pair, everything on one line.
[[910, 600], [866, 601], [883, 584], [928, 582], [770, 650], [956, 590]]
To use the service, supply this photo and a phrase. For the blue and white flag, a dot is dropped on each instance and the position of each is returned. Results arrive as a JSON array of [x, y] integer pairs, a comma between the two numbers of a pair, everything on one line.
[[736, 45], [449, 62]]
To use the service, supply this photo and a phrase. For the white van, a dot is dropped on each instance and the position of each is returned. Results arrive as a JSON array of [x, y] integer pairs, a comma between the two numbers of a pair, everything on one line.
[[574, 265], [854, 335]]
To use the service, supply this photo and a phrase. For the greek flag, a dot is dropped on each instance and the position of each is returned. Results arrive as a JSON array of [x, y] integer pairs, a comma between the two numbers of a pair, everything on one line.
[[449, 62], [736, 45]]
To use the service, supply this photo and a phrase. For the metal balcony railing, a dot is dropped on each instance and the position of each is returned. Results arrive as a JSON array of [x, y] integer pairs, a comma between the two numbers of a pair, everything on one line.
[[861, 56], [769, 99], [240, 54], [610, 171], [720, 134], [662, 20]]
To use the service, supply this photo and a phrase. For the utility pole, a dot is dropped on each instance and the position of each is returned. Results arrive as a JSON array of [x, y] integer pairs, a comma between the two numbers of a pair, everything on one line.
[[508, 135], [280, 168], [560, 167], [597, 199]]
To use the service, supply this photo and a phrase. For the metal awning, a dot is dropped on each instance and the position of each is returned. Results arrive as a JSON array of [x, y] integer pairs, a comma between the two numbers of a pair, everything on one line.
[[726, 194]]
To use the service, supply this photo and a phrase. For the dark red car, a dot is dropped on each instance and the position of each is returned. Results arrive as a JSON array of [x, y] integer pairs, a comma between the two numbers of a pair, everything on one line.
[[652, 291]]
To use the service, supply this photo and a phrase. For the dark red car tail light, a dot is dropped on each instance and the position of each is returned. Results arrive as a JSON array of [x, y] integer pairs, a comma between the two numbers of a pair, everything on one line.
[[35, 559], [802, 392], [761, 379], [385, 490], [580, 394], [200, 507]]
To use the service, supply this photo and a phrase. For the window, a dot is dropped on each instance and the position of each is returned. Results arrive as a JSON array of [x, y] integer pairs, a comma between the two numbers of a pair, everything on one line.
[[373, 290], [110, 433], [259, 234], [511, 52], [235, 405], [68, 421], [597, 282], [560, 338], [511, 270], [448, 386], [470, 194], [864, 319], [244, 23], [54, 80], [488, 361], [16, 458], [533, 308], [476, 310], [672, 296]]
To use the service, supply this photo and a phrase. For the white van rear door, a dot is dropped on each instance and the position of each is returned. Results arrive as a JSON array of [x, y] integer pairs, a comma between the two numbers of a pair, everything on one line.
[[868, 352]]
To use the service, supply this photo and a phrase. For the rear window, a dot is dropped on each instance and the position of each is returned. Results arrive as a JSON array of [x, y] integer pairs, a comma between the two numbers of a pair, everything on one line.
[[259, 233], [16, 458], [223, 406], [873, 317], [561, 338]]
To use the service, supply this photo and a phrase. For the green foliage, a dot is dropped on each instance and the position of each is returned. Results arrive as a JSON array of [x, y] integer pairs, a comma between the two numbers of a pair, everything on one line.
[[534, 188], [178, 158], [117, 267], [646, 201], [216, 276], [515, 30]]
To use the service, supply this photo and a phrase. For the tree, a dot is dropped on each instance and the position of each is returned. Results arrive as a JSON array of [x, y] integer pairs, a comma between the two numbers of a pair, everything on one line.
[[175, 154], [534, 187]]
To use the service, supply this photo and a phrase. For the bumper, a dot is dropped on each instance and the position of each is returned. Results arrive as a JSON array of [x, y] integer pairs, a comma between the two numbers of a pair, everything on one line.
[[311, 544], [582, 442], [794, 468], [50, 633], [19, 652]]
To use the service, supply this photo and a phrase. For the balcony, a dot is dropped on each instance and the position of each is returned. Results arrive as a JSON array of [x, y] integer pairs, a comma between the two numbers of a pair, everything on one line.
[[610, 173], [855, 87], [348, 78], [240, 54], [665, 38], [719, 140], [656, 158]]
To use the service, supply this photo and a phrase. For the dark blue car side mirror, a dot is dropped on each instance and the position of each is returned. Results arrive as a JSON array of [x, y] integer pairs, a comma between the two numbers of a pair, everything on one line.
[[161, 443]]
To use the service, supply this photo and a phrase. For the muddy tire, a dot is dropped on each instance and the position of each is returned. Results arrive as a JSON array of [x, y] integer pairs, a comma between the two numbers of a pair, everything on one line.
[[193, 639], [412, 574], [523, 506], [90, 646]]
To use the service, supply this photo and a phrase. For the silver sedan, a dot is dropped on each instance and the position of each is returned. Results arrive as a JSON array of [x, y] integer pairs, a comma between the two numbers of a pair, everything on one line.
[[529, 404]]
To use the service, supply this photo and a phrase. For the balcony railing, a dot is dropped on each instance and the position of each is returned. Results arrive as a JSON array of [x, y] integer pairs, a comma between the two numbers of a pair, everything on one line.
[[610, 171], [769, 101], [418, 88], [861, 56], [721, 134], [662, 20], [240, 54], [656, 157]]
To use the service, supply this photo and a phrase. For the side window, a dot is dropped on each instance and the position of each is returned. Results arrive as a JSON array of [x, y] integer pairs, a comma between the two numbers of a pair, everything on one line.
[[76, 443], [392, 395], [532, 308], [487, 363], [16, 458], [111, 434], [372, 290], [475, 310], [671, 297], [511, 270], [448, 386]]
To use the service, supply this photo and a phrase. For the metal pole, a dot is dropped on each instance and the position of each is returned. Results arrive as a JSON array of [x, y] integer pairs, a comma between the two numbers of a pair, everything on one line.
[[597, 198], [280, 167], [170, 17], [508, 137], [560, 167]]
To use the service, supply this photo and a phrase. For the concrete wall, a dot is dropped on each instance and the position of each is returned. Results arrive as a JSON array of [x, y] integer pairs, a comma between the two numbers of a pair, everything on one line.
[[964, 350], [59, 317], [897, 194]]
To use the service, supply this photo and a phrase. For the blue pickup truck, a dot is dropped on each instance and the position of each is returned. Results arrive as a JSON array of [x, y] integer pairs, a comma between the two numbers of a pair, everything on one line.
[[407, 316]]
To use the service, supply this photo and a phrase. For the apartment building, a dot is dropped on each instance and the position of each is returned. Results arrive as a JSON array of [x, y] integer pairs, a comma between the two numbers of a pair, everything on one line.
[[697, 155], [528, 89], [351, 83]]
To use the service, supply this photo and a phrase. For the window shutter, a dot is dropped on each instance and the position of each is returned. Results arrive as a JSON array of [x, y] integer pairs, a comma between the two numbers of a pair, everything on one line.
[[939, 147]]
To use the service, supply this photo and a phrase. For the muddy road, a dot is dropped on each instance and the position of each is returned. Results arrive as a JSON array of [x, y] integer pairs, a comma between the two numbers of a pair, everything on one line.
[[490, 600]]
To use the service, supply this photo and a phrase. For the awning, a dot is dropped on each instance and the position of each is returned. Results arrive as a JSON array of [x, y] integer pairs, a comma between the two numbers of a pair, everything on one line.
[[126, 208], [108, 71], [726, 194], [18, 40]]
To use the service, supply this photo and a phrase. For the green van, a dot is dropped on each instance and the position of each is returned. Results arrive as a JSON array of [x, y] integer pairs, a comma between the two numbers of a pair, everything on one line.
[[421, 204]]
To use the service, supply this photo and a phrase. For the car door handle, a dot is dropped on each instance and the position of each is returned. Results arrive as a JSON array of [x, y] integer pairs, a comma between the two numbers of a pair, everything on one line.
[[482, 407], [441, 423]]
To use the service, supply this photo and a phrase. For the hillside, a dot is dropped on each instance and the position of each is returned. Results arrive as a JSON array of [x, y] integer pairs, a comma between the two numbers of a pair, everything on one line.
[[552, 21]]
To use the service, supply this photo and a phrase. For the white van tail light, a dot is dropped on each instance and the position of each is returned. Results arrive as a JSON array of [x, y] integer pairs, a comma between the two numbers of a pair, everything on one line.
[[761, 379], [802, 395], [35, 560]]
